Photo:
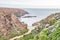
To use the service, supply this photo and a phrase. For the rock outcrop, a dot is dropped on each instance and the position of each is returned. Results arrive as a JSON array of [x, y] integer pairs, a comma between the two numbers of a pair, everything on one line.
[[29, 16], [9, 22]]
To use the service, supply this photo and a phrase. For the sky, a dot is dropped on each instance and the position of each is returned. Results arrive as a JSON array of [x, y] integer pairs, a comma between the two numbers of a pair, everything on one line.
[[30, 3]]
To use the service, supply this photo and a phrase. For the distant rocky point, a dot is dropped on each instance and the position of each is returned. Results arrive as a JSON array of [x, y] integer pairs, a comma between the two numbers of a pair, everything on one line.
[[46, 20], [29, 16]]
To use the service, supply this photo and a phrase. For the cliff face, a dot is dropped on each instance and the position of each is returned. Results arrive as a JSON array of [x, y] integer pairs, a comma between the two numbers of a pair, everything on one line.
[[9, 22]]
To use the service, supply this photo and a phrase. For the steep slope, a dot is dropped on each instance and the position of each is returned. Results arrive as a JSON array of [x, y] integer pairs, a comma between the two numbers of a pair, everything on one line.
[[46, 29], [10, 25], [47, 22]]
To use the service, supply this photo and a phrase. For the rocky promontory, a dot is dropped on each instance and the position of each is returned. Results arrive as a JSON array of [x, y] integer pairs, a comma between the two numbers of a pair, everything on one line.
[[29, 16], [10, 25]]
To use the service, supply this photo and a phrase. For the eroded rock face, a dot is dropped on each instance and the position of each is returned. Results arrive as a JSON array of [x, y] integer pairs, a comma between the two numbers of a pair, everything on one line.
[[9, 22], [17, 22]]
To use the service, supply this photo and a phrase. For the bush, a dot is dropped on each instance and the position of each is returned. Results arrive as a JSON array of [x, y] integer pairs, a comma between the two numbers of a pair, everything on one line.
[[27, 37], [51, 22], [3, 38], [56, 34]]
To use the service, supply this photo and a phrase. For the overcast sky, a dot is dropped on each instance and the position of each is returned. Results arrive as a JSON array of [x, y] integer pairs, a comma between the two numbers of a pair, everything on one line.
[[30, 3]]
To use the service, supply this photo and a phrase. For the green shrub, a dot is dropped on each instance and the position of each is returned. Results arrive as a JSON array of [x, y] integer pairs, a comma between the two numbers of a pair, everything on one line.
[[56, 34], [51, 22], [43, 35], [12, 35], [27, 37], [3, 38]]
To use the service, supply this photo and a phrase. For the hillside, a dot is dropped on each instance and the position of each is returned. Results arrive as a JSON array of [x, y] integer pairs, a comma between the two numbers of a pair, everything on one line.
[[46, 29], [10, 25]]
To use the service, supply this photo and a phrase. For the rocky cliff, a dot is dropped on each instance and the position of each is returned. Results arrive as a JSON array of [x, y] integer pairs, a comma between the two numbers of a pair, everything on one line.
[[10, 25]]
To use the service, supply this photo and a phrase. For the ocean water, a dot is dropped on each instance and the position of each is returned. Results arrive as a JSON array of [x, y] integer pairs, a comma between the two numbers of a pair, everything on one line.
[[40, 13]]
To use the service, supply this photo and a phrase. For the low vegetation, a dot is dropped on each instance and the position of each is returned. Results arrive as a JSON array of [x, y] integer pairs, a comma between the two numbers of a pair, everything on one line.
[[52, 32]]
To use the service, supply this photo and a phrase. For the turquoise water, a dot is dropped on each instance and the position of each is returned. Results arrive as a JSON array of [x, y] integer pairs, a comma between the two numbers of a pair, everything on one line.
[[40, 13]]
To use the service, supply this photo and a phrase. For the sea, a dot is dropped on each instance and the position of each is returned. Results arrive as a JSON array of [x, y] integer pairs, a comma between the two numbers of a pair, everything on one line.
[[39, 13]]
